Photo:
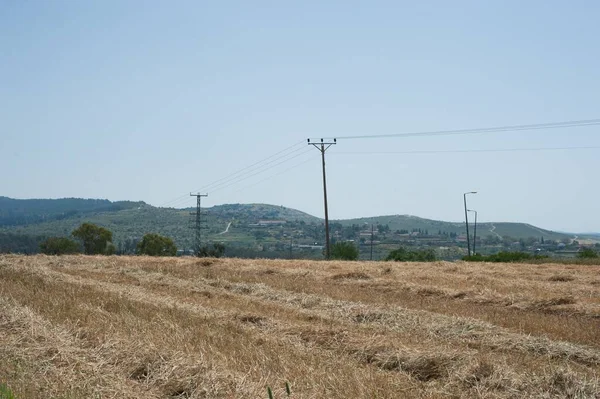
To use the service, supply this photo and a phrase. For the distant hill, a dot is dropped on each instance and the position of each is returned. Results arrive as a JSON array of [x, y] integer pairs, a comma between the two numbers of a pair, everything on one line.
[[23, 223], [410, 223], [17, 212], [131, 220]]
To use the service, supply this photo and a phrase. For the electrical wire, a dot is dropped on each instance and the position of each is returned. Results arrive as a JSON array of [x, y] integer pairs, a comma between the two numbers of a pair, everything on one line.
[[284, 155], [176, 200], [537, 126], [261, 171], [258, 169], [468, 151], [276, 174]]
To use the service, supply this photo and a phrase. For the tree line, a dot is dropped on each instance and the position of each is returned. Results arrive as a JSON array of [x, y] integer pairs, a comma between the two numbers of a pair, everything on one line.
[[91, 239]]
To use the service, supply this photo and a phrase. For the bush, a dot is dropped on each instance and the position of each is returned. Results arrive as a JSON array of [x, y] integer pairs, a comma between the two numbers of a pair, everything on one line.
[[405, 255], [216, 251], [588, 253], [344, 251], [59, 246], [503, 257], [156, 245]]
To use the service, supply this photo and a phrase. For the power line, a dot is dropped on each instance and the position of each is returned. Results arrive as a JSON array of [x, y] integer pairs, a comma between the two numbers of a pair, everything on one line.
[[255, 171], [537, 126], [259, 172], [242, 171], [469, 151], [276, 174], [236, 174]]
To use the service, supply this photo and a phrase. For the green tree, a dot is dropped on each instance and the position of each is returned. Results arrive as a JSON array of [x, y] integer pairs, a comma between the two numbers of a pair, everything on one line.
[[156, 245], [587, 253], [59, 246], [95, 239], [344, 251]]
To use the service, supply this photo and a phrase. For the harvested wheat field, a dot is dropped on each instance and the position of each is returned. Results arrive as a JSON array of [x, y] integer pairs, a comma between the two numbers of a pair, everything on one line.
[[138, 327]]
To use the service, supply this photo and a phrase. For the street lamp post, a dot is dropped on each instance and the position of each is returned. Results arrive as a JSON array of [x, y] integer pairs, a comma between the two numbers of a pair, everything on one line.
[[467, 222], [474, 233]]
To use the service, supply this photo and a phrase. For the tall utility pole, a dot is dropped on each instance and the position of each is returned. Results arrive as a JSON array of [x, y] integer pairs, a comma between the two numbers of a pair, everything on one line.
[[474, 233], [198, 220], [371, 241], [323, 146], [467, 222]]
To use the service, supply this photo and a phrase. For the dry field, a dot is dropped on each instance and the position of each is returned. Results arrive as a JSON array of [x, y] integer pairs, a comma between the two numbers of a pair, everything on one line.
[[138, 327]]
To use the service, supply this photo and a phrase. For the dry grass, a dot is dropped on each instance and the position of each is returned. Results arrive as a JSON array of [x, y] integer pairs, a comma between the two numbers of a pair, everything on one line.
[[135, 327]]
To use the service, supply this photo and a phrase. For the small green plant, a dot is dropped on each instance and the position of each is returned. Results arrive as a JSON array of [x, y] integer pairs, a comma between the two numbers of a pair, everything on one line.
[[288, 391], [6, 393]]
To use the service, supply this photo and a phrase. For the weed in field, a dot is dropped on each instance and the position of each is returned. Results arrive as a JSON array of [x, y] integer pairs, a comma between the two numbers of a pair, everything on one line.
[[5, 392]]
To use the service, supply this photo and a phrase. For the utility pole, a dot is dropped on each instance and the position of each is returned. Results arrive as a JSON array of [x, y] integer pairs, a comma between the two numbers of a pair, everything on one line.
[[291, 245], [467, 222], [323, 146], [198, 221], [371, 241], [475, 233]]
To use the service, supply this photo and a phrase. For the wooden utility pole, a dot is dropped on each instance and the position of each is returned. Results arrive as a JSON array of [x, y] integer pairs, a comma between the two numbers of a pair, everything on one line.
[[323, 146]]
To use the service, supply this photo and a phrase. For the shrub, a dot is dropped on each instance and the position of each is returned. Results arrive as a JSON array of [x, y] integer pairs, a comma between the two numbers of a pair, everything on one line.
[[404, 255], [59, 246], [216, 251], [503, 257], [588, 253], [156, 245], [344, 251]]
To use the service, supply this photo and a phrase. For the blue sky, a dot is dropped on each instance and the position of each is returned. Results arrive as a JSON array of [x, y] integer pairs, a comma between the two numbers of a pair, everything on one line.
[[150, 100]]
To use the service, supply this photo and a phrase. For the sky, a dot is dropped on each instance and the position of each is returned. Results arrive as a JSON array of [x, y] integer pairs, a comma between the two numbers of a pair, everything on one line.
[[152, 100]]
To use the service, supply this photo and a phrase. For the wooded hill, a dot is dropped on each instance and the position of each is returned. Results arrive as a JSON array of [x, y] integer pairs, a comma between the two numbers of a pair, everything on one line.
[[258, 227]]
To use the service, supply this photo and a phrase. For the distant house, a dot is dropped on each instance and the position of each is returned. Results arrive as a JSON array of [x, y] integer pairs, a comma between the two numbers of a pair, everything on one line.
[[267, 223], [462, 238], [271, 222]]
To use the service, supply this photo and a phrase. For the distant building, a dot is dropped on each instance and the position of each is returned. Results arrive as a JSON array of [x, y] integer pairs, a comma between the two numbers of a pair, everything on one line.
[[267, 223], [271, 222]]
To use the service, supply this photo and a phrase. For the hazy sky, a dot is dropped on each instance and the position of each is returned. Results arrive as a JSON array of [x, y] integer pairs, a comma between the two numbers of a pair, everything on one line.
[[149, 100]]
